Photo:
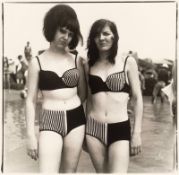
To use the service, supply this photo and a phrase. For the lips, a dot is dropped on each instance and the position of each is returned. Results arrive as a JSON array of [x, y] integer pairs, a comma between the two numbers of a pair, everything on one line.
[[63, 42], [102, 44]]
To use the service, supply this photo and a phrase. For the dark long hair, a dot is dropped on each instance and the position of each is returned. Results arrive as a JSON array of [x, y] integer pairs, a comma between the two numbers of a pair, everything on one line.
[[62, 16], [92, 50]]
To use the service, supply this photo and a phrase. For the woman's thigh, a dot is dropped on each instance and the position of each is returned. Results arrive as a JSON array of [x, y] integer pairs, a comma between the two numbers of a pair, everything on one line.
[[97, 151], [50, 148], [118, 156], [72, 148]]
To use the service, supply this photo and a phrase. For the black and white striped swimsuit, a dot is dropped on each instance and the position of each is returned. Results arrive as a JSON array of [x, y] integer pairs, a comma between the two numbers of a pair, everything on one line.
[[115, 82], [49, 80], [62, 122], [108, 133]]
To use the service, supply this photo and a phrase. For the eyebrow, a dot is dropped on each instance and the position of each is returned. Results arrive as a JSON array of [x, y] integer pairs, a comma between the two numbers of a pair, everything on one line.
[[65, 29]]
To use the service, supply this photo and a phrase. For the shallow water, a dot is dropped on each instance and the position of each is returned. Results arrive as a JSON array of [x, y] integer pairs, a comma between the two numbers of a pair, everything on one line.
[[157, 138]]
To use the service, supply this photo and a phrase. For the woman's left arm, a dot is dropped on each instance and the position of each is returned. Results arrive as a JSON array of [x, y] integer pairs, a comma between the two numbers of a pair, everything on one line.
[[133, 76], [82, 84]]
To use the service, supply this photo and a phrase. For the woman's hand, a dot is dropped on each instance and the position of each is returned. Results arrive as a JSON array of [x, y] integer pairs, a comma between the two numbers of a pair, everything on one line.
[[135, 147], [32, 147]]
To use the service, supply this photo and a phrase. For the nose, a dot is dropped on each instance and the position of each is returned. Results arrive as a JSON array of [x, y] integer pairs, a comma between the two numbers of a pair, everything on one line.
[[101, 37], [65, 35]]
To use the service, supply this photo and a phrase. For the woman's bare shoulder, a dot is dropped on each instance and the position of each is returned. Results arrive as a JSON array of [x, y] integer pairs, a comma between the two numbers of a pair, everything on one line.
[[131, 61], [121, 57]]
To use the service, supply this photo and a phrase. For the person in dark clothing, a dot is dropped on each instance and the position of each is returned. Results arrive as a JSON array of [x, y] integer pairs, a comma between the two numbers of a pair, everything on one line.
[[28, 51], [163, 78], [20, 71]]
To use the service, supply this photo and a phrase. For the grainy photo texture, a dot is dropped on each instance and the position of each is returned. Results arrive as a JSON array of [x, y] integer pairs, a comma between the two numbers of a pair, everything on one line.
[[89, 87]]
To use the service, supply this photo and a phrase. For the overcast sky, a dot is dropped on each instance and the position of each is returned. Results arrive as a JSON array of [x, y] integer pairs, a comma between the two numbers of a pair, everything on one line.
[[147, 28]]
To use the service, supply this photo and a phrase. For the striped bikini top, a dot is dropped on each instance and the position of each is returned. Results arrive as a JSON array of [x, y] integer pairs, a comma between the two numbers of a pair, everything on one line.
[[49, 80], [115, 82]]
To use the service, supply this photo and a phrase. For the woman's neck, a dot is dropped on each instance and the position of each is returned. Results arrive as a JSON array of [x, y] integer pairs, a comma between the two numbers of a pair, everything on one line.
[[103, 56], [56, 50]]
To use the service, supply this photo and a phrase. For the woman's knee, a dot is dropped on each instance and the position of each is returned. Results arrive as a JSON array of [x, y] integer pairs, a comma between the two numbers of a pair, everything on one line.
[[70, 158]]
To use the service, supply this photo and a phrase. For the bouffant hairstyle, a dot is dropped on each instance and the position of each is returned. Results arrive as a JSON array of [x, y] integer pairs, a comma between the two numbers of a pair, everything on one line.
[[92, 50], [62, 16]]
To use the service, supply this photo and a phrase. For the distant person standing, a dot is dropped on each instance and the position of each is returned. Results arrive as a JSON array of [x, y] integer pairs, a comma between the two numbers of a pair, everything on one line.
[[6, 63], [174, 89], [171, 93], [163, 78], [28, 52], [21, 68], [28, 56], [142, 79], [174, 112]]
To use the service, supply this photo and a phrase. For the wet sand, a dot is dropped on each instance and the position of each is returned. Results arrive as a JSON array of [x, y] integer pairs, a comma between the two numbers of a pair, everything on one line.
[[157, 139]]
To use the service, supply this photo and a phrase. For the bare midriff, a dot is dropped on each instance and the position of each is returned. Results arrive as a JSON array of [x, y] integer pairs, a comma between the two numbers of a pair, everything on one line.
[[61, 99], [109, 107]]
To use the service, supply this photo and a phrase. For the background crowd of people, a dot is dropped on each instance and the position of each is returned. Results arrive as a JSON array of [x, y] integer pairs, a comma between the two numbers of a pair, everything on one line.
[[15, 70]]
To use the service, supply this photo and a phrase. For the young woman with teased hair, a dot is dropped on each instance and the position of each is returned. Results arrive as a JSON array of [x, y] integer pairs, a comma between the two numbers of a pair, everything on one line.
[[58, 73]]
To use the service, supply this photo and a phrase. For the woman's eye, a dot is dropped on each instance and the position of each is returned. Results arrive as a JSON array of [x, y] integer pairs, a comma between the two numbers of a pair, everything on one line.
[[71, 34], [62, 30], [106, 34], [65, 31]]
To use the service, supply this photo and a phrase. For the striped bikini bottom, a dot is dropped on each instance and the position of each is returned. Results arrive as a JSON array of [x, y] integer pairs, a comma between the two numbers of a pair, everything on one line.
[[108, 133], [62, 122]]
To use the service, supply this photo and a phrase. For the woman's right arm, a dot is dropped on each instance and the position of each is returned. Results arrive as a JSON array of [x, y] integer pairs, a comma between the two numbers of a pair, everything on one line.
[[32, 86], [89, 100]]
